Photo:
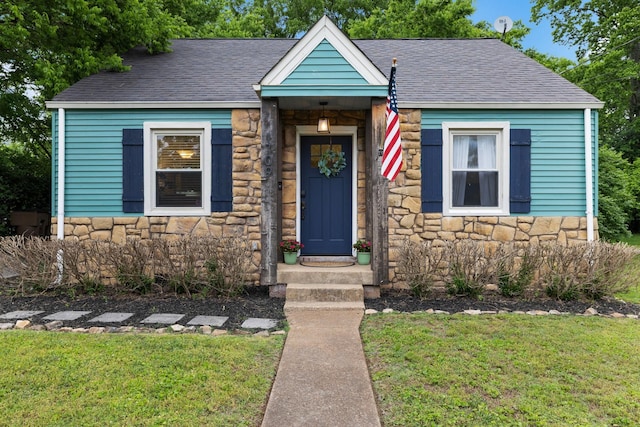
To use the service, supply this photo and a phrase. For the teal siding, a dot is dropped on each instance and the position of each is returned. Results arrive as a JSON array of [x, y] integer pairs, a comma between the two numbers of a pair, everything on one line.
[[94, 154], [557, 153], [324, 66], [325, 72]]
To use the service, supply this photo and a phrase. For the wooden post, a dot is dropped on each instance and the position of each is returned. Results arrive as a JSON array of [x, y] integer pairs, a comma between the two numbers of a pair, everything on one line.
[[377, 190], [270, 159]]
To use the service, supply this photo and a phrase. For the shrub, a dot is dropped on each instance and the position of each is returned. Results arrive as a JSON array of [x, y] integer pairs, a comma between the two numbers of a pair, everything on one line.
[[515, 266], [132, 264], [25, 183], [83, 264], [468, 266], [605, 266], [177, 264], [591, 270], [228, 265], [33, 262], [419, 262]]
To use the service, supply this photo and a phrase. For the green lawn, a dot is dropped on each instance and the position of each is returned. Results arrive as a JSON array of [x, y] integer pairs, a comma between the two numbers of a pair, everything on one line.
[[67, 379], [507, 370]]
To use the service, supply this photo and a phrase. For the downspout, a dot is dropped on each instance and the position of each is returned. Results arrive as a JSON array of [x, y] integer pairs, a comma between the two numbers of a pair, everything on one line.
[[61, 172], [61, 189], [588, 159]]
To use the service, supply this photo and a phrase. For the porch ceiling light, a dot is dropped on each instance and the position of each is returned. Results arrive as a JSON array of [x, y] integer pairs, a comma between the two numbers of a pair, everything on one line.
[[323, 121]]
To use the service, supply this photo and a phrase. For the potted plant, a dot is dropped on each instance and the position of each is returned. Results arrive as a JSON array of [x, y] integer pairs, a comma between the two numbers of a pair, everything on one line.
[[290, 248], [364, 251]]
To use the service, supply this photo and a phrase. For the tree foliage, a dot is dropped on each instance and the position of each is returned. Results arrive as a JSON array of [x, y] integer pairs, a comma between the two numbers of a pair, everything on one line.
[[606, 34], [25, 183], [428, 18], [47, 45]]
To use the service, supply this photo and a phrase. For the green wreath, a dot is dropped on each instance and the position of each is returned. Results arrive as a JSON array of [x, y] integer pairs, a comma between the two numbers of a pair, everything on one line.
[[331, 163]]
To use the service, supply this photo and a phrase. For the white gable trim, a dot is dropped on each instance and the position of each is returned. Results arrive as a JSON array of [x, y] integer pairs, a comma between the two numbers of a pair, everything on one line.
[[324, 29]]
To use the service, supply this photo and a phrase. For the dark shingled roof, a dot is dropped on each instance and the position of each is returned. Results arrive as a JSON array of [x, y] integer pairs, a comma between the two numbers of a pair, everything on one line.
[[434, 70]]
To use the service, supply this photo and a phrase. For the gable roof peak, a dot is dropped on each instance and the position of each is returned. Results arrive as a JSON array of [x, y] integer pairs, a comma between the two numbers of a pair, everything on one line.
[[324, 29]]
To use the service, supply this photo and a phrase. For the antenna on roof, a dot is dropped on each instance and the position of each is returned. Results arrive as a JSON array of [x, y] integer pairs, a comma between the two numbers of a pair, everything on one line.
[[502, 25]]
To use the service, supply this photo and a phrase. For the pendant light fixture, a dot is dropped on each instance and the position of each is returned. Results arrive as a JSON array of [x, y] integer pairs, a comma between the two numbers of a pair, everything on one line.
[[323, 121]]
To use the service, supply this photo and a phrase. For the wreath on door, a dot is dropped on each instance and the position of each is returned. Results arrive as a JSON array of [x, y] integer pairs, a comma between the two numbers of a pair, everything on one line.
[[331, 163]]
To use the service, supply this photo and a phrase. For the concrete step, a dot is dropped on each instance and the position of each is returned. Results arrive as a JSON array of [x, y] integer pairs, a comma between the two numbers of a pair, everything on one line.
[[320, 292], [355, 274], [295, 306]]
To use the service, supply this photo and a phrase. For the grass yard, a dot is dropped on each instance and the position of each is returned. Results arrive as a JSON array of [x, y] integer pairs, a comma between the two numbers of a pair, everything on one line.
[[506, 370], [633, 294], [66, 379]]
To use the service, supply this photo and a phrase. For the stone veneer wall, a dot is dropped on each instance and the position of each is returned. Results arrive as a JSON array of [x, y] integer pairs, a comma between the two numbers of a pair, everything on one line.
[[291, 119], [406, 221], [244, 220]]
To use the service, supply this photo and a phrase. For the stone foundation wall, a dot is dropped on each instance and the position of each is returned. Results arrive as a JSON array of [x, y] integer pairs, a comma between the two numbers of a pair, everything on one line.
[[243, 220]]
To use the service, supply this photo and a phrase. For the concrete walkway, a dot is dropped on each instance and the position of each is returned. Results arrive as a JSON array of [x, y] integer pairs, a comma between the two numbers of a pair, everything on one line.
[[322, 378]]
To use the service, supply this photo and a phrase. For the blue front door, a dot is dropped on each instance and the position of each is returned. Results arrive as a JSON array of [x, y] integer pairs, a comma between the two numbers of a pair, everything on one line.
[[325, 209]]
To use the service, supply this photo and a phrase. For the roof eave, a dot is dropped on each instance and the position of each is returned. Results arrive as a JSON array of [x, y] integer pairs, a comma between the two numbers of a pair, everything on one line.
[[502, 105], [100, 105]]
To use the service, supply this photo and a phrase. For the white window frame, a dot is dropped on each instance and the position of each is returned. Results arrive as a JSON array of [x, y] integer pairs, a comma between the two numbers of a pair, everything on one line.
[[501, 130], [150, 166]]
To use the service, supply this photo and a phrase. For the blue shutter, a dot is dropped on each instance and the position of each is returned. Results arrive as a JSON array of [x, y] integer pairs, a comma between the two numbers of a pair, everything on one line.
[[520, 175], [132, 171], [221, 168], [431, 170]]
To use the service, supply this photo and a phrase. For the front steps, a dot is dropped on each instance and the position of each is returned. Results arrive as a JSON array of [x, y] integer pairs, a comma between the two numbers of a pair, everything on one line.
[[321, 296], [324, 288]]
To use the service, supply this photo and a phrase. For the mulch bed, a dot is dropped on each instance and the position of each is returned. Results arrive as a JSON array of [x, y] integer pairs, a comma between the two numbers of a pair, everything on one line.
[[255, 302]]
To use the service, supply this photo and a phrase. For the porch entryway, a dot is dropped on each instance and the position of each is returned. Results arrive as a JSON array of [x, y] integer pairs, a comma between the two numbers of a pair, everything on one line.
[[326, 194]]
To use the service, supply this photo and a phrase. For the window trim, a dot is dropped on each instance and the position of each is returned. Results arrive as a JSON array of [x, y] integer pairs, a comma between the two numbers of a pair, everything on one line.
[[150, 166], [502, 131]]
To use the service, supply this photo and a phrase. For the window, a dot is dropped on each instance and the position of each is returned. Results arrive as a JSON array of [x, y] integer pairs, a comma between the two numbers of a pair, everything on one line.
[[177, 168], [476, 168]]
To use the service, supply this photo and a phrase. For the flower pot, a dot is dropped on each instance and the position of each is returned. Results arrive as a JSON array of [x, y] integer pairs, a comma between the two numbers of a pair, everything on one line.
[[290, 257], [364, 258]]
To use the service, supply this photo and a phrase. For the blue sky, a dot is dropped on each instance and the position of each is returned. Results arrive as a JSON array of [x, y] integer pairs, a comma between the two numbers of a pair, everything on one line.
[[539, 38]]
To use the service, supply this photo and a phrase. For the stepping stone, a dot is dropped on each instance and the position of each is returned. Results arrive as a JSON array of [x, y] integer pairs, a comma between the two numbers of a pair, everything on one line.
[[66, 315], [164, 318], [259, 323], [208, 321], [19, 314], [112, 317]]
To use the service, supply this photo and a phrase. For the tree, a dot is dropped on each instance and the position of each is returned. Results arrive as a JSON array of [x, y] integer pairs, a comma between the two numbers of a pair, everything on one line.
[[429, 18], [615, 194], [47, 45], [607, 36], [25, 183]]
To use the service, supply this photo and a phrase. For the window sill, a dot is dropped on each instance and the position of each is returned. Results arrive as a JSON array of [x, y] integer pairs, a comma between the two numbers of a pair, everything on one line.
[[177, 212]]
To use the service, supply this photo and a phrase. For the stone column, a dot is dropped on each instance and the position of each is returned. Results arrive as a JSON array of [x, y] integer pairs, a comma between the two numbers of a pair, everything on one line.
[[270, 166]]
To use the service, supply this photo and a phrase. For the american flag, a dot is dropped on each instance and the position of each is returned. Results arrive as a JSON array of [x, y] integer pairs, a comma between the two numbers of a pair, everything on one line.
[[392, 154]]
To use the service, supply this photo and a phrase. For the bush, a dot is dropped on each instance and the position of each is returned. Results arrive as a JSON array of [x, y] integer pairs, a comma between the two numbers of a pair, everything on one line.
[[32, 264], [515, 267], [83, 264], [132, 264], [469, 268], [189, 265], [25, 184], [591, 270], [419, 262]]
